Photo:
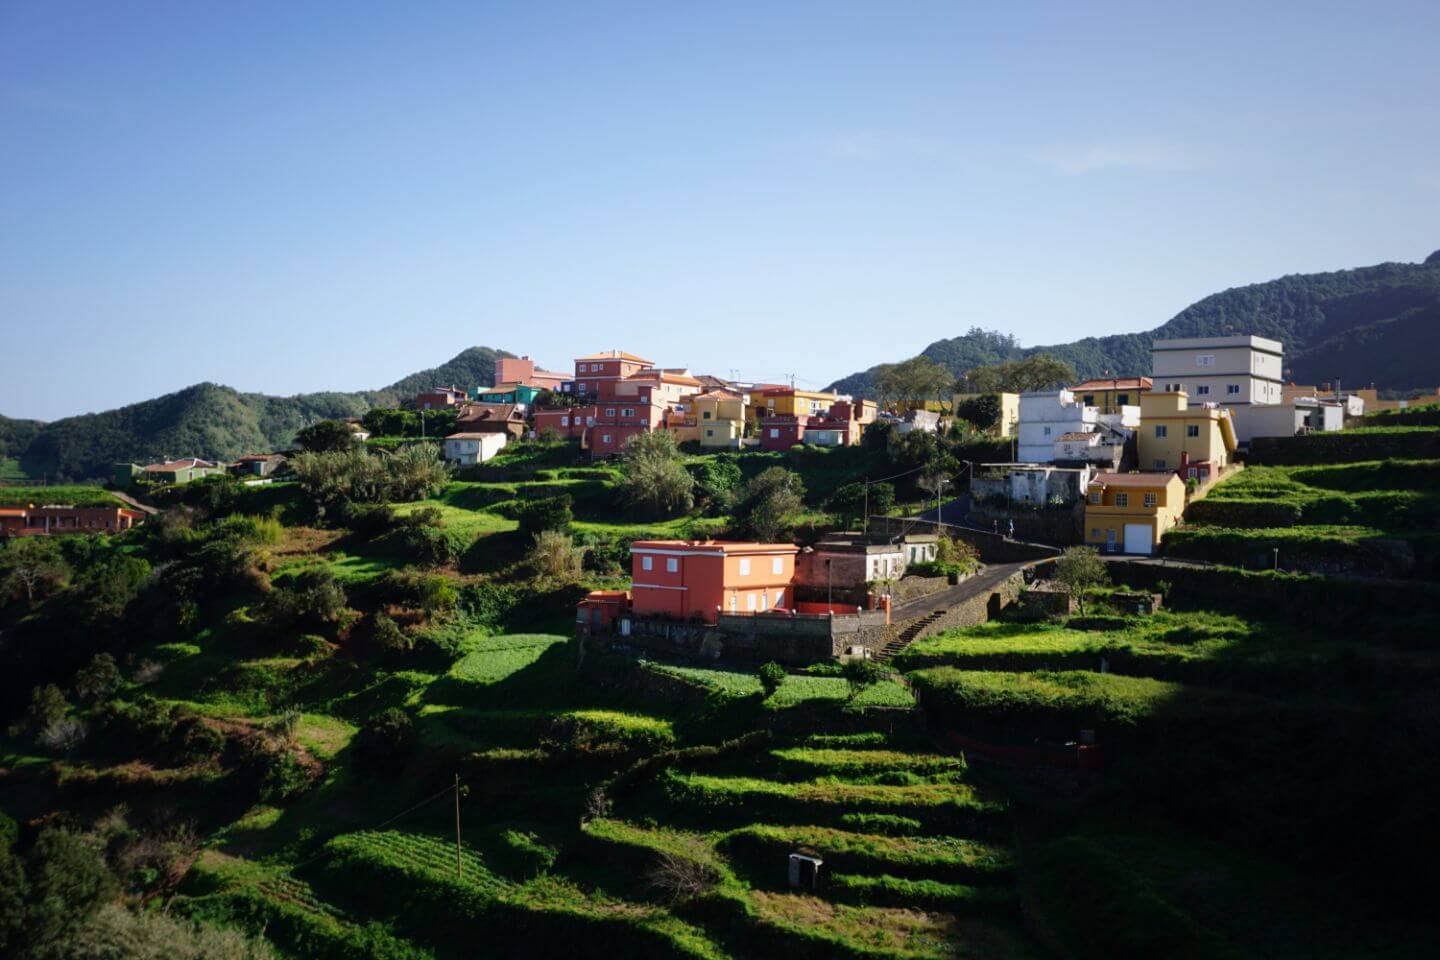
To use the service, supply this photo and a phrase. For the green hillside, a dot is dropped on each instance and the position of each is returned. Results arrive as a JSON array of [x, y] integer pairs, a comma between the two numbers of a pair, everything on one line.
[[1377, 324], [207, 420]]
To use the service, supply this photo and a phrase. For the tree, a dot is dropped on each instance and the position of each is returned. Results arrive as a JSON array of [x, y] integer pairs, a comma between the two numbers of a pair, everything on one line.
[[851, 501], [653, 479], [47, 707], [99, 678], [772, 677], [13, 890], [115, 933], [1081, 569], [545, 514], [860, 673], [769, 503], [326, 436], [68, 881], [1040, 371], [716, 478], [33, 566], [917, 379]]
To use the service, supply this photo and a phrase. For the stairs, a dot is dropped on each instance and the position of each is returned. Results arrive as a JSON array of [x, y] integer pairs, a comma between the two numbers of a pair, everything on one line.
[[908, 635]]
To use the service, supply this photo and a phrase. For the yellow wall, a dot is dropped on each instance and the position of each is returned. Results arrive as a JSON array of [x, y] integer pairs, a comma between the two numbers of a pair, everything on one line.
[[801, 403], [1196, 431], [1168, 491]]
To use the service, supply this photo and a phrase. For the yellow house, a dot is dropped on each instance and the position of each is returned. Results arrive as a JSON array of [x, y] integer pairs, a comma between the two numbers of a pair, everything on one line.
[[772, 401], [1009, 417], [1130, 512], [1195, 441], [720, 418], [1109, 394]]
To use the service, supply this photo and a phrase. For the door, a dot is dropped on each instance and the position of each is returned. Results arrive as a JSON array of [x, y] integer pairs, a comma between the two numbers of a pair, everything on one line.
[[1138, 538], [1109, 539]]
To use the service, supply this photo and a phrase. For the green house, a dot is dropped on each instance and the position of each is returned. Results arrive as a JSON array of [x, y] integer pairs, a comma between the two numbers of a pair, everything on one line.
[[521, 393]]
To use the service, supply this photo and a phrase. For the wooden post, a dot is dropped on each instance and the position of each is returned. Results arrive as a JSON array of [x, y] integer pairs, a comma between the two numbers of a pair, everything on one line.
[[459, 869]]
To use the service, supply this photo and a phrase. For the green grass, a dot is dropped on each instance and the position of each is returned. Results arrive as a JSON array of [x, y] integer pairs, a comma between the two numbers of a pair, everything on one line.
[[69, 495], [708, 792], [12, 472], [820, 761], [796, 690], [495, 658], [850, 851]]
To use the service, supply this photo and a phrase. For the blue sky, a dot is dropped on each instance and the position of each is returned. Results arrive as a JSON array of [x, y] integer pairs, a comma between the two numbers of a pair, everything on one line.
[[301, 196]]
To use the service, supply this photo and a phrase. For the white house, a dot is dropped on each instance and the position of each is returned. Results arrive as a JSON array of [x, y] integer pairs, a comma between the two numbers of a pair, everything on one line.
[[468, 449], [1233, 372], [926, 420], [1045, 417], [1298, 415]]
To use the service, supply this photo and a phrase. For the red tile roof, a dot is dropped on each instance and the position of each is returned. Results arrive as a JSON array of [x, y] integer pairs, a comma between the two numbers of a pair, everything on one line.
[[1116, 383], [615, 355]]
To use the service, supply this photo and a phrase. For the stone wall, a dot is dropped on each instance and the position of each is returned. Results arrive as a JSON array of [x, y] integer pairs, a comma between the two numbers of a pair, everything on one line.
[[1043, 603], [1062, 526], [912, 588], [978, 609], [992, 548], [788, 640]]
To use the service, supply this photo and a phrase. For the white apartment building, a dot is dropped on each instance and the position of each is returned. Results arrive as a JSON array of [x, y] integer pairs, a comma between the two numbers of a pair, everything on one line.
[[1230, 371], [1046, 417]]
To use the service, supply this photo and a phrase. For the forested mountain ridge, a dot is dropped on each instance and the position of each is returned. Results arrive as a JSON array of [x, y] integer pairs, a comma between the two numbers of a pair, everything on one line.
[[209, 420], [1378, 324]]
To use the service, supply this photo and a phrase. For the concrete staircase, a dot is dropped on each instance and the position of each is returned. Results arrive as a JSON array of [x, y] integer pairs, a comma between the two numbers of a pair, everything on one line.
[[908, 635]]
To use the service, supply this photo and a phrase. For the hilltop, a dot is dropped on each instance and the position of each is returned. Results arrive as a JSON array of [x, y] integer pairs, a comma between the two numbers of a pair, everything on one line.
[[207, 420], [1377, 324]]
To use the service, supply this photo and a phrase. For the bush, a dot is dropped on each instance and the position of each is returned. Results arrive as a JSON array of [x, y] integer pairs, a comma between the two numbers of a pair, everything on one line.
[[98, 679], [653, 480], [327, 436], [861, 673], [545, 514], [47, 707], [554, 555], [769, 504], [389, 638], [772, 677], [369, 521], [431, 592], [386, 742], [312, 599], [272, 769]]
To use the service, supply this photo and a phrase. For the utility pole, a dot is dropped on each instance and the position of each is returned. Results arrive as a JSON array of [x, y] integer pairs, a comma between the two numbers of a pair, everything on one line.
[[459, 869]]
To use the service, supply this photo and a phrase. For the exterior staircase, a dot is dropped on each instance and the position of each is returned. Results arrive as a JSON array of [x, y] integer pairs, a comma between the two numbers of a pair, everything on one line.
[[908, 635]]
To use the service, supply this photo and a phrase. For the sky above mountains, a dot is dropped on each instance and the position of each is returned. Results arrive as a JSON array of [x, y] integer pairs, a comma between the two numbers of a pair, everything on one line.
[[291, 197]]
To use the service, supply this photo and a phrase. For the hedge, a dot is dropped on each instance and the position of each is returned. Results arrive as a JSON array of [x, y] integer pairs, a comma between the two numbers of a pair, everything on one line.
[[1375, 443]]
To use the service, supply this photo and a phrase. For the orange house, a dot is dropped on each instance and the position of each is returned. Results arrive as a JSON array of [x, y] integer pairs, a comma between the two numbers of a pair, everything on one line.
[[596, 375], [702, 578]]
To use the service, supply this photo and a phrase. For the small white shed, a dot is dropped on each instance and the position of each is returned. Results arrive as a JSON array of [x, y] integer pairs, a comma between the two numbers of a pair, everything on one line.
[[468, 449]]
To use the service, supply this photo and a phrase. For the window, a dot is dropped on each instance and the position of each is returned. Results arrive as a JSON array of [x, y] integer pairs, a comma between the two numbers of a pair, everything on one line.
[[1094, 533], [732, 603], [1159, 464], [605, 438], [705, 415], [1149, 499], [1095, 496], [1088, 400], [1192, 430], [564, 421], [777, 565], [709, 432], [1203, 390], [672, 565], [1122, 499], [1122, 399], [609, 411], [775, 433], [1161, 430], [1232, 388], [628, 412], [1194, 473], [647, 563], [750, 602], [1047, 431], [1205, 360], [744, 566]]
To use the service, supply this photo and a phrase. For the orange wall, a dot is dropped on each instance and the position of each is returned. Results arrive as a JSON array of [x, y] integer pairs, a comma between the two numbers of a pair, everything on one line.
[[704, 580]]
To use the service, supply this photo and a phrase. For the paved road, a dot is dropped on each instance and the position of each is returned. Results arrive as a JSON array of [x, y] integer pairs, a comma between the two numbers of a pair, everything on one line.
[[125, 497], [983, 582], [956, 512]]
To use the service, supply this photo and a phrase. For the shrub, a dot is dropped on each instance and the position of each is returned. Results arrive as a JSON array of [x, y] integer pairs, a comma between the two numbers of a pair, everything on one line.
[[389, 638], [311, 599], [99, 678], [861, 673], [772, 677], [63, 735], [431, 592], [769, 504], [369, 520], [547, 513], [67, 881], [327, 436], [554, 554], [272, 769], [47, 707], [386, 742]]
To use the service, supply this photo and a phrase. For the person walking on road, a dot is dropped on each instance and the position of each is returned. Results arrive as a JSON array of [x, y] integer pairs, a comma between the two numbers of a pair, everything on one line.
[[1012, 531]]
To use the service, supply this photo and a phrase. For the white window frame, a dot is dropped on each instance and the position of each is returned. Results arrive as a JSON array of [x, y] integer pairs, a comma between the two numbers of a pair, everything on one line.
[[1122, 499], [1192, 429], [647, 563], [1205, 360], [1150, 499], [672, 565], [777, 565], [774, 433], [1161, 431], [744, 566], [1202, 390], [749, 603]]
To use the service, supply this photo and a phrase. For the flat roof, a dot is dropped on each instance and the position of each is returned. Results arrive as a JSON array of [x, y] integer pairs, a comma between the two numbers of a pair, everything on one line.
[[713, 546], [1115, 383], [1134, 479], [615, 355], [1204, 343]]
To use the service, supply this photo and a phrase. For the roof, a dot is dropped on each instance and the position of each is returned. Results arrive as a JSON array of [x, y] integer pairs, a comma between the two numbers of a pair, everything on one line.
[[1134, 479], [477, 412], [471, 436], [186, 463], [615, 355], [1116, 383], [719, 394], [714, 546], [249, 457], [664, 376]]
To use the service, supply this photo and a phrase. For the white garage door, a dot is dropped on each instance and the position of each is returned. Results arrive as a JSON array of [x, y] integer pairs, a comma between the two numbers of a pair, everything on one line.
[[1137, 538]]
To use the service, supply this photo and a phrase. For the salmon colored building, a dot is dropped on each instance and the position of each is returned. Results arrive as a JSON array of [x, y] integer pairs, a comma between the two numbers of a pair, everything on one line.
[[569, 423], [597, 374], [782, 432], [523, 370], [43, 521], [702, 578]]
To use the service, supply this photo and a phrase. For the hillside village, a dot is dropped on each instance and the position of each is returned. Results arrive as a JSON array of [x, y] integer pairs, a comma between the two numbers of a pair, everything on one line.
[[676, 665]]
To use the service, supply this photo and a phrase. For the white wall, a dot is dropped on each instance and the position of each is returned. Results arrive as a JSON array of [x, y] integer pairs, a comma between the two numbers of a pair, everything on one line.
[[1044, 417]]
